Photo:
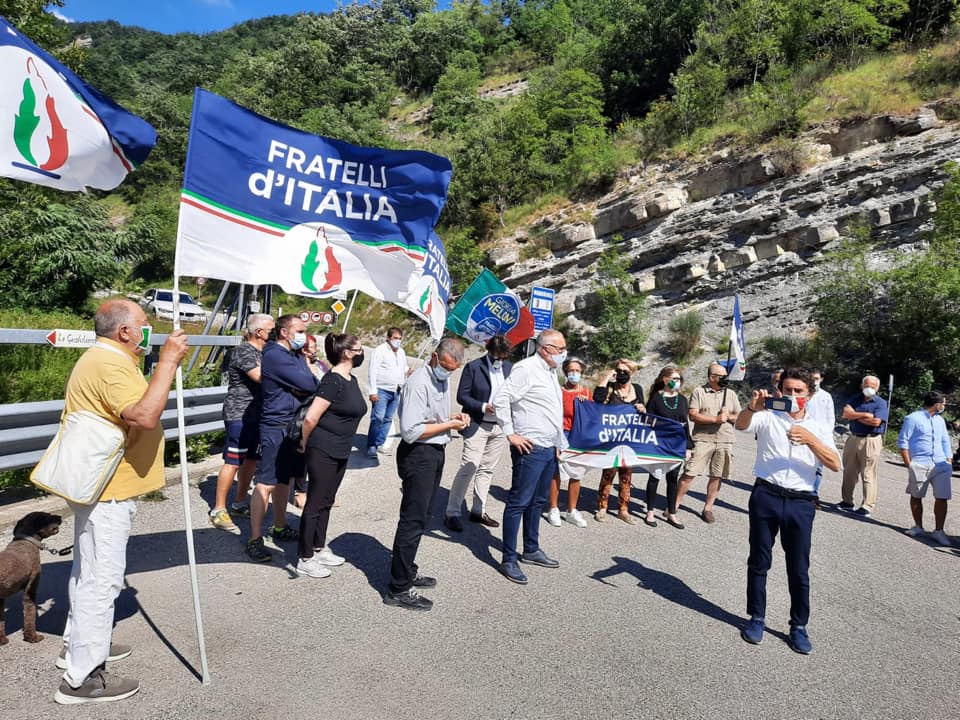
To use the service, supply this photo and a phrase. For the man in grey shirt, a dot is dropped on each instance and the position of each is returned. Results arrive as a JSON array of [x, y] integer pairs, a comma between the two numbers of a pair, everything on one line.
[[425, 429]]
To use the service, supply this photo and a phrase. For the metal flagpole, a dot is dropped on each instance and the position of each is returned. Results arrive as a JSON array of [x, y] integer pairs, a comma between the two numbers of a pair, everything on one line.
[[423, 348], [185, 485], [346, 320]]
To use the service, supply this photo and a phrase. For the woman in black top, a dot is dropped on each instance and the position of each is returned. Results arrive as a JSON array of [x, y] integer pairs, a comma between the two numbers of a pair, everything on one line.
[[328, 431], [616, 389], [667, 402]]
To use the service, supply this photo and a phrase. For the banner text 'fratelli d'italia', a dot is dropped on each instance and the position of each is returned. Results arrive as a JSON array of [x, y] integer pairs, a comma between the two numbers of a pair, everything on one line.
[[263, 203]]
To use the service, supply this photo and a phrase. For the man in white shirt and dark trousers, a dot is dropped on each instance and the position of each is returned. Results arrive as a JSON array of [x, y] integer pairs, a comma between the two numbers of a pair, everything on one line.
[[790, 447], [484, 441], [425, 429], [529, 408], [388, 371]]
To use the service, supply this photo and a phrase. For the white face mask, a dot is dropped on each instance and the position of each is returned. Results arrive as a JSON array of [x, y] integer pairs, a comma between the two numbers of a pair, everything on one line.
[[496, 364], [144, 345], [869, 392], [441, 373], [298, 341], [395, 344], [559, 358], [573, 378]]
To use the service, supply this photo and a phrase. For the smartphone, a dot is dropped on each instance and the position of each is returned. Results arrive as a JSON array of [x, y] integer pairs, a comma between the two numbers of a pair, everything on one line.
[[781, 404]]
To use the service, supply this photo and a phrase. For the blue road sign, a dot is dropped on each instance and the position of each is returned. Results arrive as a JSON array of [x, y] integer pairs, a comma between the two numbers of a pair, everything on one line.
[[541, 307]]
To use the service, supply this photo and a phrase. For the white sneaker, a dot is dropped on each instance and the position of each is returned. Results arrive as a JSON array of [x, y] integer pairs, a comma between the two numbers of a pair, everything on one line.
[[371, 452], [915, 531], [553, 517], [325, 556], [576, 518], [312, 568], [940, 538]]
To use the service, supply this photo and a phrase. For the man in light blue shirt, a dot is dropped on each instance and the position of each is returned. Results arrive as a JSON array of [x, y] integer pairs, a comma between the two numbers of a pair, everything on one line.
[[925, 449]]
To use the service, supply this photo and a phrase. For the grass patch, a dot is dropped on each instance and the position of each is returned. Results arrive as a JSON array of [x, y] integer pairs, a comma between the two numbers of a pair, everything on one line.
[[686, 330], [526, 214], [878, 85]]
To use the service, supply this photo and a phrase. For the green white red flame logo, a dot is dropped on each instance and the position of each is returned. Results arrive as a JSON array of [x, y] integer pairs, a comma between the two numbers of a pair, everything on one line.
[[27, 121]]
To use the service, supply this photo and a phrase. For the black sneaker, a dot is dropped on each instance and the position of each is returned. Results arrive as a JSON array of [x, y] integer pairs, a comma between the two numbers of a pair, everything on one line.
[[284, 534], [98, 687], [424, 581], [257, 552], [452, 523], [409, 599], [239, 509]]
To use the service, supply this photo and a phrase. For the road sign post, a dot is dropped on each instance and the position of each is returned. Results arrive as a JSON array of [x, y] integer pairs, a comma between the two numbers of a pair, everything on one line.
[[541, 307]]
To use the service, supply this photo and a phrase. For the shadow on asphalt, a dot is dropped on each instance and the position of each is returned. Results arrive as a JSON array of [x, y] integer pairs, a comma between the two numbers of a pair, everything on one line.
[[668, 587], [368, 555]]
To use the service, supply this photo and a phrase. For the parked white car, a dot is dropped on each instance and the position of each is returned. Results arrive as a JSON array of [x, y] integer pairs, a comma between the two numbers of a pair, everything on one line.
[[160, 302]]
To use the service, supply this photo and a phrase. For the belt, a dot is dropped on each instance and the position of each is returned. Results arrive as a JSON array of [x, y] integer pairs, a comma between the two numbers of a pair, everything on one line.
[[785, 492], [865, 435]]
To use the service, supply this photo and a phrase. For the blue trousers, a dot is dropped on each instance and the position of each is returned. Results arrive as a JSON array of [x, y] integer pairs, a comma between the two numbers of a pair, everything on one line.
[[532, 474], [381, 416], [792, 517]]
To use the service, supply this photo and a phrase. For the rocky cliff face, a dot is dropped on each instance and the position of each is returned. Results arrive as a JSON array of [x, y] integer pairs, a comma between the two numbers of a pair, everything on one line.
[[693, 235]]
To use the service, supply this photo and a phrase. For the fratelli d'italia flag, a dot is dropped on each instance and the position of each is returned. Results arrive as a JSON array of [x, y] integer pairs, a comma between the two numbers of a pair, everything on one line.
[[263, 203], [56, 130]]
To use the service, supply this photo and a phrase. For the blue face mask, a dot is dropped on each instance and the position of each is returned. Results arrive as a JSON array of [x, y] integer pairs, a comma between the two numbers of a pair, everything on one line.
[[573, 378], [441, 373], [298, 341]]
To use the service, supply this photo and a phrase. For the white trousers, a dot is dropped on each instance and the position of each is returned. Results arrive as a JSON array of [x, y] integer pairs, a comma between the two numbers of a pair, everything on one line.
[[481, 453], [99, 561]]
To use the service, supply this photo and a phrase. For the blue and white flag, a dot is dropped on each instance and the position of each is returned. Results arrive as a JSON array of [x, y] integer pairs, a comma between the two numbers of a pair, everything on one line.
[[613, 436], [263, 203], [737, 365], [56, 130]]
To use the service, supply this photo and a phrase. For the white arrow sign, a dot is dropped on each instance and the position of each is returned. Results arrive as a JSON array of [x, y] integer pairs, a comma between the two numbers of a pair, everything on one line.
[[71, 338]]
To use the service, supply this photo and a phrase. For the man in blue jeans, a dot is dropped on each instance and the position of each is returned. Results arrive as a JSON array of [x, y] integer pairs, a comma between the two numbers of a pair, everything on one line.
[[791, 447], [529, 407], [388, 372]]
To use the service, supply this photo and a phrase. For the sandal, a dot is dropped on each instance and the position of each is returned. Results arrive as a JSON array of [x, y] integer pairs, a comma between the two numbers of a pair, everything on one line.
[[626, 518]]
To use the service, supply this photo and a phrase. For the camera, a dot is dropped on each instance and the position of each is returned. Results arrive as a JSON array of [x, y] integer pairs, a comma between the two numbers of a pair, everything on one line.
[[781, 404]]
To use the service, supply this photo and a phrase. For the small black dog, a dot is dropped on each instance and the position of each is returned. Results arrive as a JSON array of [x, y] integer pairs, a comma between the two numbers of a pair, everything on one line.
[[20, 568]]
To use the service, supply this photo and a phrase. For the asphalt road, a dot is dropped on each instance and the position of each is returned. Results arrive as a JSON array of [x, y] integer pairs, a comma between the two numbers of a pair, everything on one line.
[[637, 622]]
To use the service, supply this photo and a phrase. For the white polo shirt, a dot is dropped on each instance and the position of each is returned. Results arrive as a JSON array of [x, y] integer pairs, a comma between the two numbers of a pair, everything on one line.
[[779, 461]]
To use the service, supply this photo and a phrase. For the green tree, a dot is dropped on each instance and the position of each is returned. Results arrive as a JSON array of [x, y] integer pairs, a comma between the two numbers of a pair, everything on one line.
[[620, 315], [455, 97]]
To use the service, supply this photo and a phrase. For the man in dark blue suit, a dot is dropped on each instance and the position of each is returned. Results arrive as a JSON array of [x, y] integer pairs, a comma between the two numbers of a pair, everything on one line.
[[483, 441]]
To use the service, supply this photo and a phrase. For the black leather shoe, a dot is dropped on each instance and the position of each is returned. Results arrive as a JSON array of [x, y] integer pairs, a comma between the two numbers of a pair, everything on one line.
[[484, 520], [424, 581], [452, 523], [409, 599], [539, 558]]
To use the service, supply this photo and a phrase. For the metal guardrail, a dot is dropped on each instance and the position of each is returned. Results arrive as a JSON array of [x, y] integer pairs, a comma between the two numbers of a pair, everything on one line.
[[26, 429]]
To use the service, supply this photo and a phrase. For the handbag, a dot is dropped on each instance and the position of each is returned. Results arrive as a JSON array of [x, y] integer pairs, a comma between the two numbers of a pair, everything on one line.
[[294, 431], [81, 459]]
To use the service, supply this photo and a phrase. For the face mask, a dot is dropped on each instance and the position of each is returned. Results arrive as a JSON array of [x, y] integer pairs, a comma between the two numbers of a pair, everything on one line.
[[395, 344], [816, 386], [622, 377], [573, 378], [497, 364], [796, 403], [144, 343], [673, 384], [357, 360], [441, 373], [558, 359], [298, 341], [869, 392], [722, 381]]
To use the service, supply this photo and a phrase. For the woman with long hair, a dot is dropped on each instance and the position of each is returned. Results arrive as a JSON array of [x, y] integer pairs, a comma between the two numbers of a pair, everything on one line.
[[328, 431], [665, 400]]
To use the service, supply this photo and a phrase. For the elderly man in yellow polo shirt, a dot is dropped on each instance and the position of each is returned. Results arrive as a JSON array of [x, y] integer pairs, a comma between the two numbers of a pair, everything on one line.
[[107, 380]]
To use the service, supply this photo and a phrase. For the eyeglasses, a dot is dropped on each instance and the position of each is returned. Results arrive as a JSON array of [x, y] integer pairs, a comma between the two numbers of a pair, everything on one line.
[[356, 349], [555, 347], [718, 374]]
